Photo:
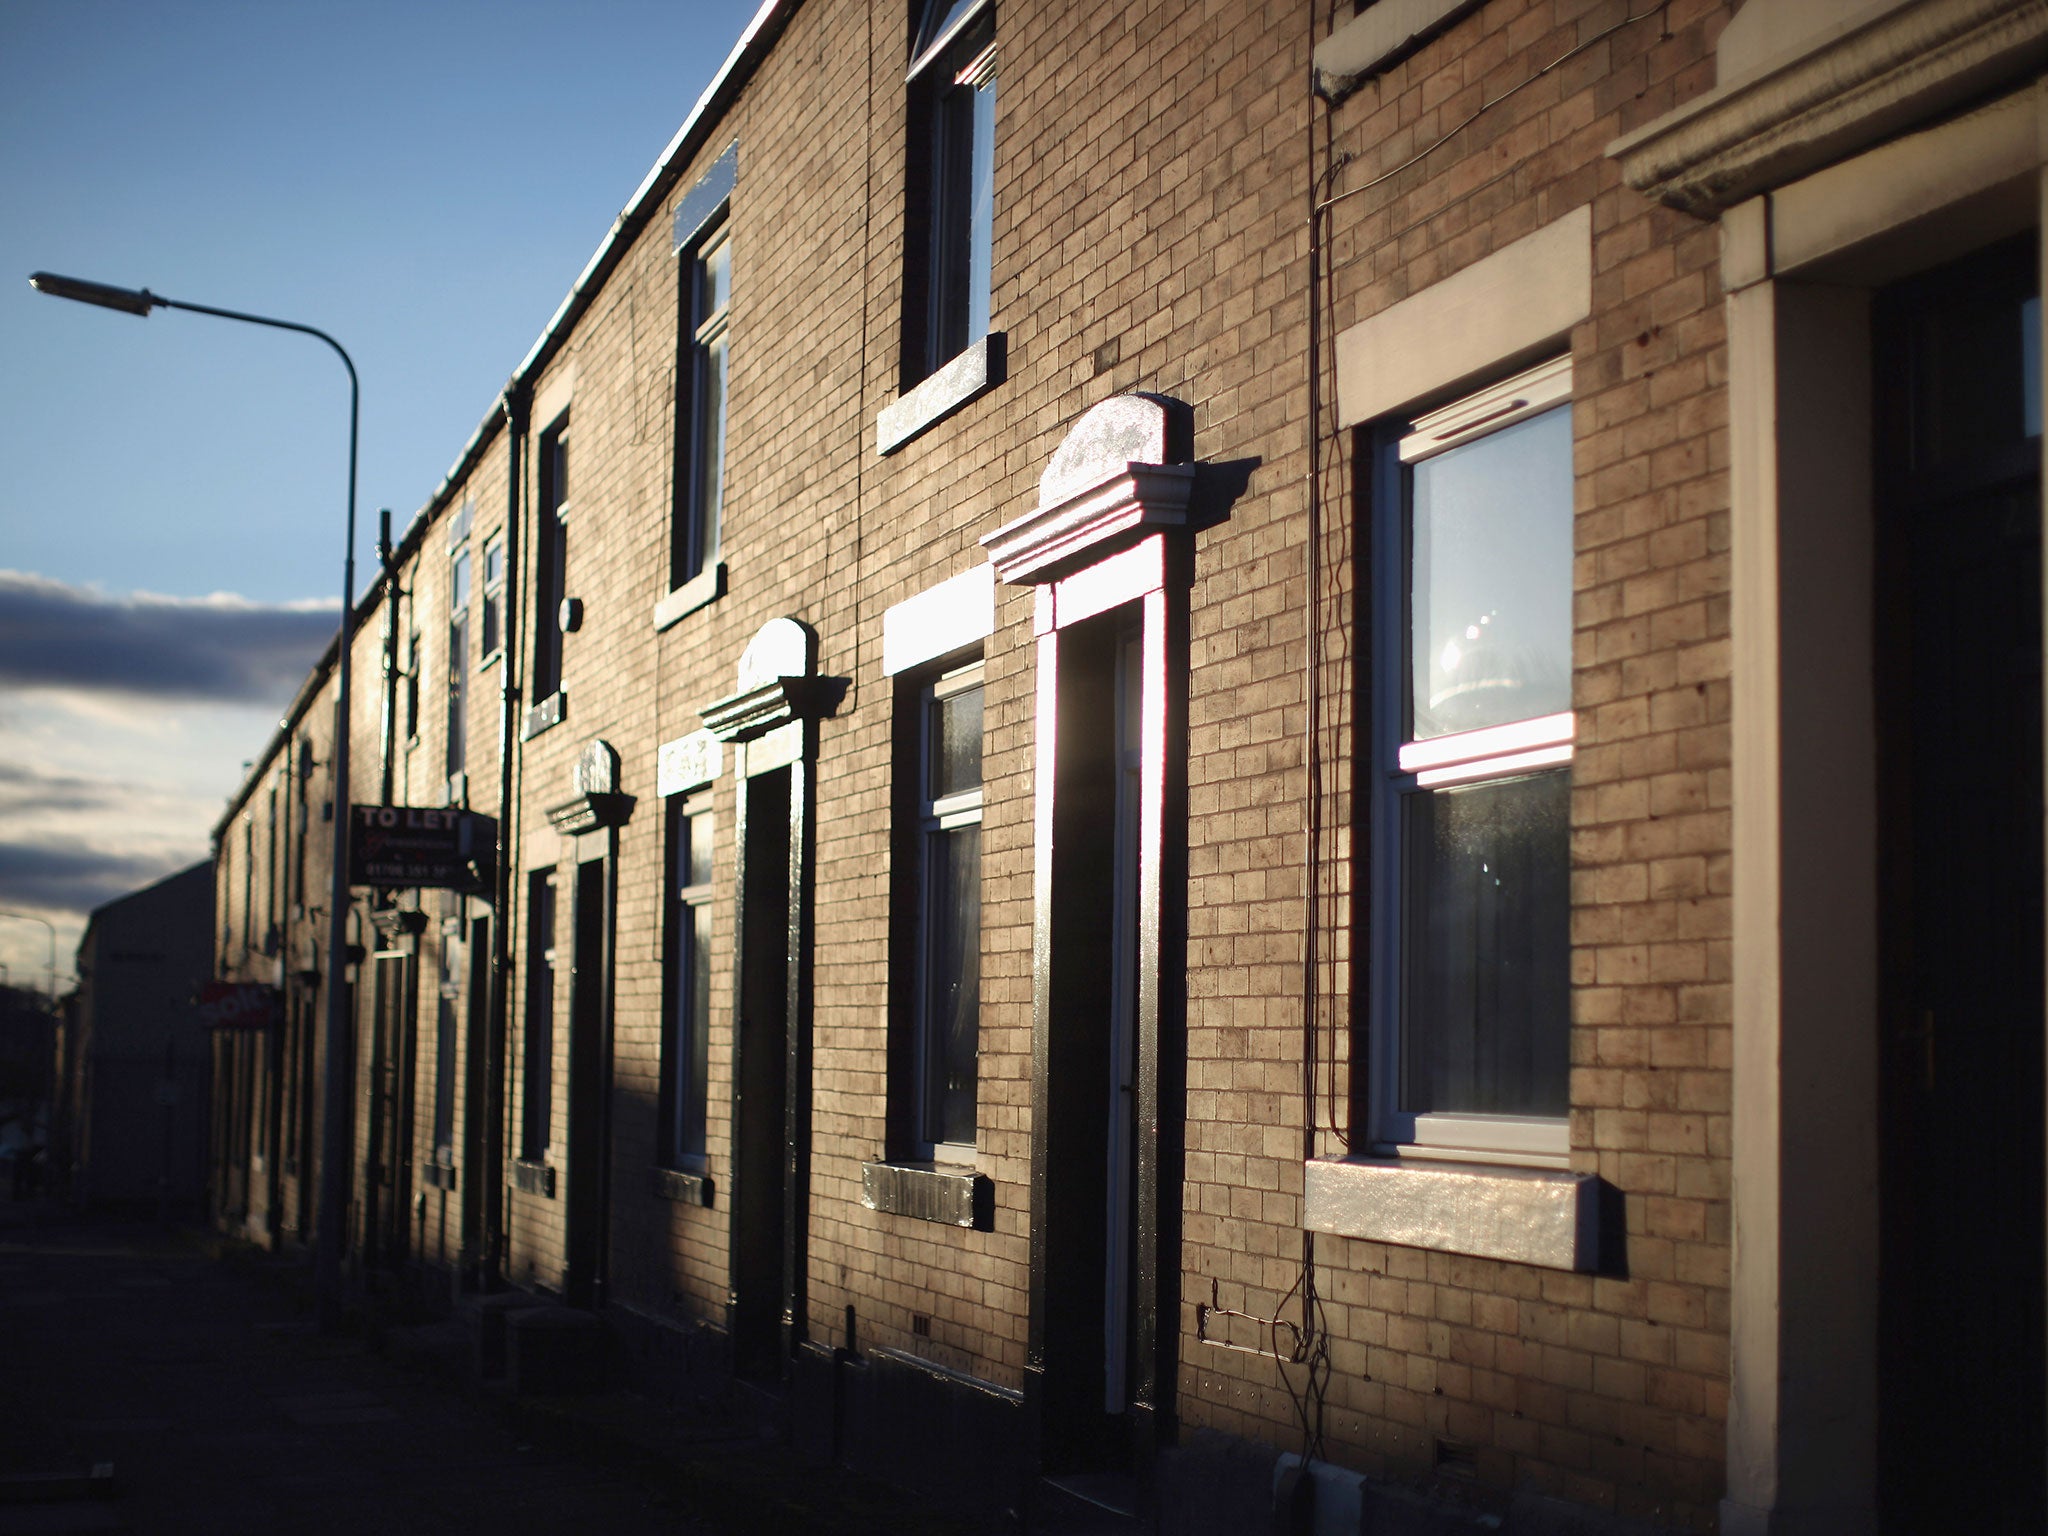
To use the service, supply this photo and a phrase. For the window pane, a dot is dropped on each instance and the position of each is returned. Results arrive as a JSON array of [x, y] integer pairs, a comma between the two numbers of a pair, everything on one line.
[[956, 741], [1490, 595], [940, 17], [458, 709], [444, 1074], [981, 209], [699, 1031], [1487, 933], [952, 982], [494, 577], [714, 287], [709, 449], [697, 863], [536, 1122]]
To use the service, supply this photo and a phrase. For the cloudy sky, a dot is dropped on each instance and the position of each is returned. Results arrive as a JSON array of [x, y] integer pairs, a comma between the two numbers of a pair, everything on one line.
[[423, 180]]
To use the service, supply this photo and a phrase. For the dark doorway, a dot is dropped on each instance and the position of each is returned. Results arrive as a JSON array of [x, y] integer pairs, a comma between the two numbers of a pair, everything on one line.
[[589, 1088], [1959, 671], [762, 1240], [389, 1189], [1096, 1296], [475, 1053]]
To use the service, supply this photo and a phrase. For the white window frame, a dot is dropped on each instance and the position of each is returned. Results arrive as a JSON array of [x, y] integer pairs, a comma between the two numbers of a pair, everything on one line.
[[934, 815], [491, 624], [1403, 767], [942, 62], [461, 586], [697, 526], [682, 1075]]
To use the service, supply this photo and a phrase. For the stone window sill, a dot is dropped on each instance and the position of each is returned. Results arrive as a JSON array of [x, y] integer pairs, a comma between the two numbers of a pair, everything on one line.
[[533, 1178], [702, 589], [681, 1185], [952, 1195], [1522, 1215], [974, 371], [548, 713]]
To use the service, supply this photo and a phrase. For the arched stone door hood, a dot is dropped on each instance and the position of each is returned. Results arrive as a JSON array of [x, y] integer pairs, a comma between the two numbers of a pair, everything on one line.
[[596, 801], [1123, 471], [777, 682]]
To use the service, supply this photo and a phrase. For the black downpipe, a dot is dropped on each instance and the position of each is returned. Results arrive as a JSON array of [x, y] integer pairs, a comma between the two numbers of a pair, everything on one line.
[[491, 1275], [373, 1145], [390, 728]]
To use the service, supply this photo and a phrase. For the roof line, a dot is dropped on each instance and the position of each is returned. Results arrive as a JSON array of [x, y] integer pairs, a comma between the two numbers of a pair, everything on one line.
[[753, 45]]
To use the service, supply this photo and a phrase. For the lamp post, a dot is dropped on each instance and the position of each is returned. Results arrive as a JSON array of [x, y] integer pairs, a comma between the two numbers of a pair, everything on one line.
[[334, 1098], [30, 917]]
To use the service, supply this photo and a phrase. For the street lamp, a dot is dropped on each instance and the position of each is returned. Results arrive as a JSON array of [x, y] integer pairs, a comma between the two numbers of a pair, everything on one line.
[[334, 1102], [30, 917]]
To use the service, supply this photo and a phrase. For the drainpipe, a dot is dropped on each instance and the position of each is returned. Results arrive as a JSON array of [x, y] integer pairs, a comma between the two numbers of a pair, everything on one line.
[[373, 1146], [496, 1213], [390, 729]]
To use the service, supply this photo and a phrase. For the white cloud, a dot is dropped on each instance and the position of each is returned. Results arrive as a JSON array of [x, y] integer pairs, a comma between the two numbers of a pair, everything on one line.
[[125, 724]]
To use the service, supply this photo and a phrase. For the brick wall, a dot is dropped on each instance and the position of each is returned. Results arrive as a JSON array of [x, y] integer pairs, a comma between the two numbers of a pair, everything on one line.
[[1152, 232]]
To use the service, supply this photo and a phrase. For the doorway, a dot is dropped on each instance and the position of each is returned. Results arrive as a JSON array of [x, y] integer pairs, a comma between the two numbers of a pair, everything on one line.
[[475, 1075], [1100, 1225], [587, 1208], [388, 1189], [1961, 1419], [764, 1253]]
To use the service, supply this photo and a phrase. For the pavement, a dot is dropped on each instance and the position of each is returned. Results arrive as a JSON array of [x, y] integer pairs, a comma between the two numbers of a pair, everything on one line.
[[154, 1380]]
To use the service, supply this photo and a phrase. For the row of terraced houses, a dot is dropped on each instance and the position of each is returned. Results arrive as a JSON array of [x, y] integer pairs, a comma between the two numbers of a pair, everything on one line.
[[1200, 757]]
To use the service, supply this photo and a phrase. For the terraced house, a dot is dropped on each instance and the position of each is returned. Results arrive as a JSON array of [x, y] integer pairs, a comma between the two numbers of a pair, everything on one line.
[[1224, 756]]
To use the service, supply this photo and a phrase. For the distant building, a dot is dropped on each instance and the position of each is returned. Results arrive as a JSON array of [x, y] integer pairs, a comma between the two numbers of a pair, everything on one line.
[[136, 1058], [28, 1047]]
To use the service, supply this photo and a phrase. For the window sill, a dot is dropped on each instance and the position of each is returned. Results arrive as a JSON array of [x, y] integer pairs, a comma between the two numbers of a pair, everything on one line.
[[974, 371], [533, 1178], [549, 712], [946, 1193], [707, 586], [1521, 1215], [682, 1186]]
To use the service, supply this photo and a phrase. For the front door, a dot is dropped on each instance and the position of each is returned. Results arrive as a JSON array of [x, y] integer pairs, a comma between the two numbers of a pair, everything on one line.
[[762, 1251], [1095, 1303], [589, 1088], [388, 1190], [1959, 621]]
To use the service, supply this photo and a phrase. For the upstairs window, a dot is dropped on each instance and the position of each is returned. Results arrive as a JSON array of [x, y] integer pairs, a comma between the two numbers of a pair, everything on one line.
[[700, 408], [551, 561], [1470, 837], [415, 663], [493, 636], [458, 660], [951, 203]]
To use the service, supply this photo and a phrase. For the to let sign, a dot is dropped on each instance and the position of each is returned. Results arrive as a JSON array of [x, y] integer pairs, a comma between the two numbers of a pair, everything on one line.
[[237, 1005], [409, 846]]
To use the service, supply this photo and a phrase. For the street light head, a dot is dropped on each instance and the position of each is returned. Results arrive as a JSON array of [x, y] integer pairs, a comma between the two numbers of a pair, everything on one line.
[[130, 301]]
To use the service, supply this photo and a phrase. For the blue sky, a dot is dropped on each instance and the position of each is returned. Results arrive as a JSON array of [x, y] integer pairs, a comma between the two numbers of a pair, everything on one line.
[[424, 181]]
